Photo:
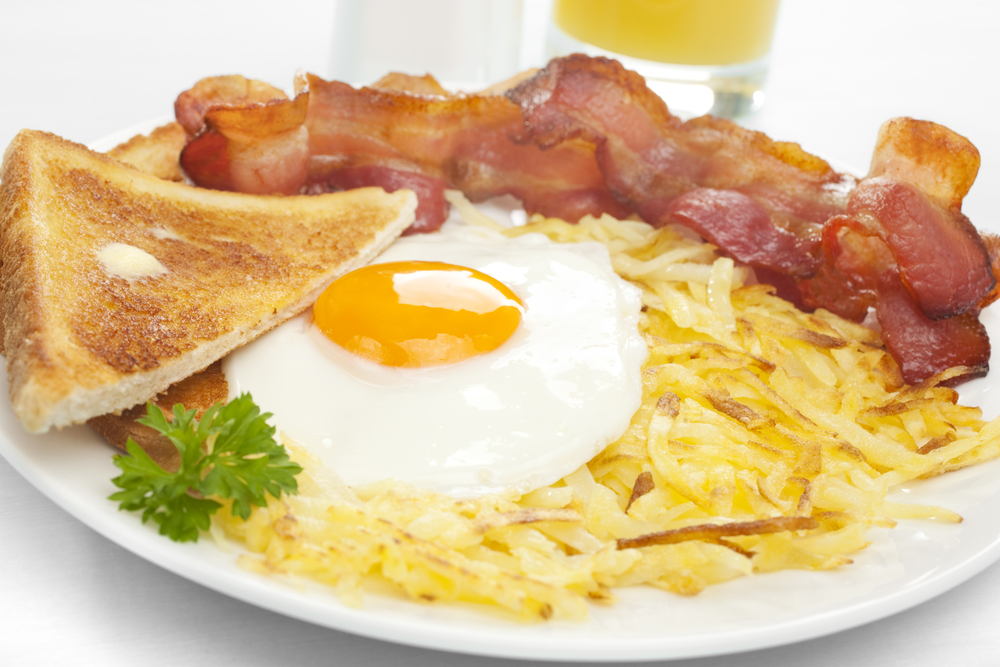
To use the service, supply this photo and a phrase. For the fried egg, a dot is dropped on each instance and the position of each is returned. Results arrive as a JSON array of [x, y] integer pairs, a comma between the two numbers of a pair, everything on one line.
[[462, 362]]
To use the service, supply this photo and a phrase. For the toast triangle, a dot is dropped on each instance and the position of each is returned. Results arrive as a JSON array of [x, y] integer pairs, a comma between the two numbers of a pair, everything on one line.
[[117, 284]]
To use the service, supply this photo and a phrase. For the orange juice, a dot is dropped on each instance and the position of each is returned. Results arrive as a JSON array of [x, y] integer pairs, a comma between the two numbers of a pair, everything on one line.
[[682, 32]]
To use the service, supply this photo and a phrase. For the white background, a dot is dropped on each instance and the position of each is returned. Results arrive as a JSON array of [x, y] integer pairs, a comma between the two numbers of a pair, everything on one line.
[[85, 70]]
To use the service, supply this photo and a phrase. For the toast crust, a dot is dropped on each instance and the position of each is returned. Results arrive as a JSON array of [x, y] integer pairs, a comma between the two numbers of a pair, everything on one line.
[[157, 153], [82, 341]]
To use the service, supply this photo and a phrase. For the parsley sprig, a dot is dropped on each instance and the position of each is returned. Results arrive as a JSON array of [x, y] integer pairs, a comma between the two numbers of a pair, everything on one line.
[[229, 453]]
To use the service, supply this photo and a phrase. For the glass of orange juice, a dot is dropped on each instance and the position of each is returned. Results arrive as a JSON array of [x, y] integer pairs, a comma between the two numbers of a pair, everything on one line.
[[701, 56]]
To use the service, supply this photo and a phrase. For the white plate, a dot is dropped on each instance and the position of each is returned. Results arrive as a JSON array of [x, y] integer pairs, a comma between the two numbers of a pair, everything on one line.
[[902, 568]]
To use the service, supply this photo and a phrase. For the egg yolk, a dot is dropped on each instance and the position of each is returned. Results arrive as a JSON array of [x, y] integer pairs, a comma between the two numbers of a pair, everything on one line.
[[415, 314]]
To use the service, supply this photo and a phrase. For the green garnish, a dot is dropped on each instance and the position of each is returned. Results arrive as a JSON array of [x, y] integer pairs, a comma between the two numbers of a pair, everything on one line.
[[230, 453]]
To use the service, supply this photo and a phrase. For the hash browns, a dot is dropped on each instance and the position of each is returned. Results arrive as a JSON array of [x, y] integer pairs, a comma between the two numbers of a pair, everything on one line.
[[767, 439]]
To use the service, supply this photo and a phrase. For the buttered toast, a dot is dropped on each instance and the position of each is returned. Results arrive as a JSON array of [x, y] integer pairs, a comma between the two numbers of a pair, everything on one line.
[[117, 284]]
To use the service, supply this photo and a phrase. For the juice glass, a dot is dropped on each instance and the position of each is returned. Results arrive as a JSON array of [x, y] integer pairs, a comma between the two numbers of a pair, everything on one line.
[[701, 56]]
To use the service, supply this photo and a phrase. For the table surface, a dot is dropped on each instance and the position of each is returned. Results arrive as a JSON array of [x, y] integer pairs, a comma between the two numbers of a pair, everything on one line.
[[85, 70]]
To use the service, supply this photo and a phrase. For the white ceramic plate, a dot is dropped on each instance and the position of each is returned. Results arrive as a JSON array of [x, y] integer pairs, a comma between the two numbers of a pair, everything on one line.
[[902, 568]]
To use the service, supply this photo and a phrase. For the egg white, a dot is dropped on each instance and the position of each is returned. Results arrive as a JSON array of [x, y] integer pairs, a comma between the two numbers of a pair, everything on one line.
[[545, 402]]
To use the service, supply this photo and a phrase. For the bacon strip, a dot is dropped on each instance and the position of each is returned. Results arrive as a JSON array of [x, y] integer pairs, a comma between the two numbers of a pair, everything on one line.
[[763, 202], [941, 257], [912, 200], [741, 226], [465, 140], [847, 281], [399, 133], [432, 209], [924, 347], [232, 90], [823, 239], [585, 136], [244, 144]]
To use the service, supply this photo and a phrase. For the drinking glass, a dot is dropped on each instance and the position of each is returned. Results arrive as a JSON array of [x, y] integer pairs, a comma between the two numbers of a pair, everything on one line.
[[472, 43], [700, 56]]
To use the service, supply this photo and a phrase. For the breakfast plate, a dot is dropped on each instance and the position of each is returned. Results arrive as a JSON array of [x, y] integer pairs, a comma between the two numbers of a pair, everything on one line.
[[903, 567]]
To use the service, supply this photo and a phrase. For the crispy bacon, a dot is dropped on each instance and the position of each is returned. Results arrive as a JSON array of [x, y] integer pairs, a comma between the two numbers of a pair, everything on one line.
[[941, 257], [924, 347], [232, 90], [465, 140], [431, 206], [903, 217], [823, 239], [399, 133], [905, 249], [733, 185], [992, 243], [912, 199], [586, 136], [206, 161], [408, 83], [847, 280], [741, 226], [244, 144]]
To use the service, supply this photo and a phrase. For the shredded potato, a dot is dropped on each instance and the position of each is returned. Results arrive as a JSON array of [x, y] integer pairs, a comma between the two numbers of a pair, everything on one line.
[[767, 439]]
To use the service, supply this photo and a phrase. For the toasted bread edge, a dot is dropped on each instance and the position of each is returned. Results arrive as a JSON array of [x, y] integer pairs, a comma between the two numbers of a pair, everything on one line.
[[34, 402]]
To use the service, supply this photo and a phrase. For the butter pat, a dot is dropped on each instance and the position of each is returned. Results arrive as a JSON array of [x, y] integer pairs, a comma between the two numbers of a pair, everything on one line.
[[126, 261]]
